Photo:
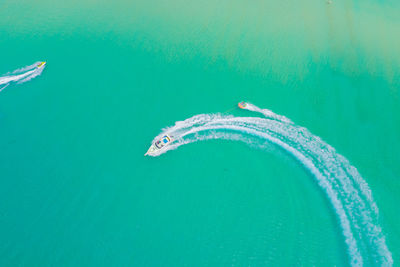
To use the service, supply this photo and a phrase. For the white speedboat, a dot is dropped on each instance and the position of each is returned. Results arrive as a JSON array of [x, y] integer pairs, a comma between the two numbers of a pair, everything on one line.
[[159, 144]]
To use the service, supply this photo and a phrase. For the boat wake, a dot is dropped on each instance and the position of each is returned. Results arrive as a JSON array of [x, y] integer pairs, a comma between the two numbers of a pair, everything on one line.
[[346, 190], [21, 75], [267, 113]]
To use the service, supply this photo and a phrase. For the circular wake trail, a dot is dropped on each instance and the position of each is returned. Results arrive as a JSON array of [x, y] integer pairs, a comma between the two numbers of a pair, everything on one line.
[[346, 190]]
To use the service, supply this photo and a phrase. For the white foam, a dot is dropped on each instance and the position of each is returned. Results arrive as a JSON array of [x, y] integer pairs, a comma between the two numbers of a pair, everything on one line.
[[348, 192], [267, 113], [21, 75], [4, 87], [26, 68]]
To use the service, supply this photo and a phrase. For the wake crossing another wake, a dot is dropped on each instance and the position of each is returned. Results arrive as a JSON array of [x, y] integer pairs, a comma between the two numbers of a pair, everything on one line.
[[348, 193]]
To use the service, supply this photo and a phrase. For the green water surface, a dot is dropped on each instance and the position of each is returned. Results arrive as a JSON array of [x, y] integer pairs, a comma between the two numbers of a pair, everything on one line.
[[75, 189]]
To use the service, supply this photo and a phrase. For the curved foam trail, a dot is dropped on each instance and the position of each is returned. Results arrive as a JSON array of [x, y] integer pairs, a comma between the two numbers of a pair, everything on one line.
[[267, 113], [347, 191], [27, 73]]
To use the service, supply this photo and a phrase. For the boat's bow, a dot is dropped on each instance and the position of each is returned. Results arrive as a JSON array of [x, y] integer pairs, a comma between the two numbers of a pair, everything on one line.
[[41, 64], [151, 150]]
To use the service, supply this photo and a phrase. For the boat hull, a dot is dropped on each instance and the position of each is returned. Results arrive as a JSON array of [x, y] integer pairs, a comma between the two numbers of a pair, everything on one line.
[[153, 148]]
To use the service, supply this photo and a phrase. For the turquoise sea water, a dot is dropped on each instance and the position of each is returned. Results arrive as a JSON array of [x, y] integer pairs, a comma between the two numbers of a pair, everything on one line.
[[75, 188]]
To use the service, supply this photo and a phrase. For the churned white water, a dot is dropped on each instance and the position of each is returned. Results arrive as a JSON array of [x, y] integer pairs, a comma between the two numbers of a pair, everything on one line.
[[347, 191]]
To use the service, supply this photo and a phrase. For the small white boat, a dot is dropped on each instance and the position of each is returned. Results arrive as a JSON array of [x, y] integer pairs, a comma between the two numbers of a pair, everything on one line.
[[159, 144]]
